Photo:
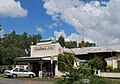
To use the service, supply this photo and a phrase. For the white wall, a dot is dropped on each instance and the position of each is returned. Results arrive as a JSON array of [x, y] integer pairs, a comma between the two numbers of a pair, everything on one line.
[[112, 62], [109, 74], [45, 50]]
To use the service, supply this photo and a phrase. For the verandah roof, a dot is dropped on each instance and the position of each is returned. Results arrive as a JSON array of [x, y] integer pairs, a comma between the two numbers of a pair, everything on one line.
[[30, 58]]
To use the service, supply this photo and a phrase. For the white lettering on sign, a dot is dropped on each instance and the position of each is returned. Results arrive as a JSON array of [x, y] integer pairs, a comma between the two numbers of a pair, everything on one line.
[[44, 48]]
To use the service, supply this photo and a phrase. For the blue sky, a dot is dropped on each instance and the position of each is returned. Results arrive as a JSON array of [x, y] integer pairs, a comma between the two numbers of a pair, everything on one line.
[[35, 18], [52, 18]]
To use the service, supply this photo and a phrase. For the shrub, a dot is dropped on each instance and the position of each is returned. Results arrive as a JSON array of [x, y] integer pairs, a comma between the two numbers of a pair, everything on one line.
[[109, 68], [116, 70], [96, 63], [65, 61]]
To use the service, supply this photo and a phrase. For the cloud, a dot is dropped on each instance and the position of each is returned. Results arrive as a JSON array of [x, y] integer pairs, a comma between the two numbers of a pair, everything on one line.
[[72, 37], [12, 8], [40, 29], [101, 24], [54, 25], [1, 32], [51, 38], [58, 34]]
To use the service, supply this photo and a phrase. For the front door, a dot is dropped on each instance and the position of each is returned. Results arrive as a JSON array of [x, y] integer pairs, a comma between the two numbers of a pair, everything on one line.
[[36, 68], [49, 67]]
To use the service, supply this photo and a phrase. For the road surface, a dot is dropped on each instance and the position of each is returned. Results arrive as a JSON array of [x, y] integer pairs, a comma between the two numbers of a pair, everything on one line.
[[19, 81]]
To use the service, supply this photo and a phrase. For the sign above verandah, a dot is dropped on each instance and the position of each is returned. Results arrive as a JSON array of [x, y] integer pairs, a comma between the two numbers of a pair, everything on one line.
[[39, 48]]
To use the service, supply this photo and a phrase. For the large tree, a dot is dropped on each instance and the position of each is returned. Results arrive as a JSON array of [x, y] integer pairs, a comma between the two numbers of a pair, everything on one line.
[[15, 45], [9, 53]]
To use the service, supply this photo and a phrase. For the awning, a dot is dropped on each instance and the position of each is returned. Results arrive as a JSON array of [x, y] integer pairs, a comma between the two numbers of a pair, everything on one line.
[[28, 59]]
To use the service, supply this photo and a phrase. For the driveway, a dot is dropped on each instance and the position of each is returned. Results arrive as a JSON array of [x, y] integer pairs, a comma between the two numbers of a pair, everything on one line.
[[19, 81]]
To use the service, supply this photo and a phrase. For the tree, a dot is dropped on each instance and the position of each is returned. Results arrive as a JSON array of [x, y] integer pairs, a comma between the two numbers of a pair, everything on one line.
[[87, 44], [73, 75], [65, 60], [61, 41], [16, 44], [71, 44], [9, 53]]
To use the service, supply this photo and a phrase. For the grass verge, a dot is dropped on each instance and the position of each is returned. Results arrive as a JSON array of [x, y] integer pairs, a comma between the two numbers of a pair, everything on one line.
[[2, 76], [55, 80]]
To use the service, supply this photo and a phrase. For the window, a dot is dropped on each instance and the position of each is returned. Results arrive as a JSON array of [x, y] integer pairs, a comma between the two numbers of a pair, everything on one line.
[[15, 70], [21, 70]]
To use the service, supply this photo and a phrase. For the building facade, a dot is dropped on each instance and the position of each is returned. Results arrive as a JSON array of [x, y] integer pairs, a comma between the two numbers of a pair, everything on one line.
[[44, 56]]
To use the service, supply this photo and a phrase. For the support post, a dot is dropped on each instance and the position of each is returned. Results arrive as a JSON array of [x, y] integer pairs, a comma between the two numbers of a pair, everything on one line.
[[52, 58], [56, 69], [29, 68], [40, 72]]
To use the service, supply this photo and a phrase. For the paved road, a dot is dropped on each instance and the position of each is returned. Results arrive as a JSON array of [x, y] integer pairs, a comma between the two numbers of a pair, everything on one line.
[[18, 81]]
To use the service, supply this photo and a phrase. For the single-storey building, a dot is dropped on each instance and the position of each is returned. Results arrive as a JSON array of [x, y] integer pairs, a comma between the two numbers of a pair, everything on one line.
[[44, 56], [110, 53]]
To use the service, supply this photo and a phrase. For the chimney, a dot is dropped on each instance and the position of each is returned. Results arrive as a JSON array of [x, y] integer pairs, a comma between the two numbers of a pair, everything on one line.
[[83, 43]]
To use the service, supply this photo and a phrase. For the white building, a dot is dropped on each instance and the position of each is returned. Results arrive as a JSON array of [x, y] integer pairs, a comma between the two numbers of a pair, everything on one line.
[[44, 56], [110, 53]]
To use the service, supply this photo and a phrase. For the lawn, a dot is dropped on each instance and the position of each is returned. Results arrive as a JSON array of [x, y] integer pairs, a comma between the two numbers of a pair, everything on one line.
[[115, 81], [2, 76]]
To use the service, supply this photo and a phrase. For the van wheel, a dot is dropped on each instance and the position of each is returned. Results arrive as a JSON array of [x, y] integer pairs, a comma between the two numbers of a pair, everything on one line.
[[14, 76], [31, 76]]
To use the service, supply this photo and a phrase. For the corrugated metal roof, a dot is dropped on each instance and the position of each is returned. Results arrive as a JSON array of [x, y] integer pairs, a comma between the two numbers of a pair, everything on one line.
[[86, 50]]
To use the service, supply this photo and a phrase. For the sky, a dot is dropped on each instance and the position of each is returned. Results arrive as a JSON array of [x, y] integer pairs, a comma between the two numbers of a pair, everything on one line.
[[95, 21]]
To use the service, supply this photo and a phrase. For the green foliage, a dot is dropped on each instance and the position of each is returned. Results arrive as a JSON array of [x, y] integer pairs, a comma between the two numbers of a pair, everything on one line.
[[81, 75], [77, 75], [87, 44], [73, 75], [65, 61], [109, 68], [116, 70], [99, 80], [78, 79], [61, 41], [96, 63], [71, 44], [9, 53], [15, 45]]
